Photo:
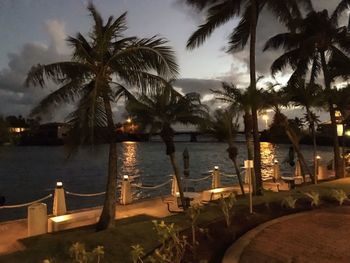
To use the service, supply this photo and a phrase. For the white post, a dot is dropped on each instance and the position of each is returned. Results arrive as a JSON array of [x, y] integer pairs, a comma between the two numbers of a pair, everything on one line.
[[216, 180], [37, 219], [126, 194], [249, 165], [317, 167], [297, 169], [59, 200], [174, 187], [276, 170]]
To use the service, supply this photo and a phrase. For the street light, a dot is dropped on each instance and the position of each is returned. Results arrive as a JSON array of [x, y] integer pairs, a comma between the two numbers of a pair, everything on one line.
[[265, 117], [128, 120]]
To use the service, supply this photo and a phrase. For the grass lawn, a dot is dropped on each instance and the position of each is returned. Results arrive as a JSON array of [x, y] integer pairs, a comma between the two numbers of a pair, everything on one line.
[[139, 230]]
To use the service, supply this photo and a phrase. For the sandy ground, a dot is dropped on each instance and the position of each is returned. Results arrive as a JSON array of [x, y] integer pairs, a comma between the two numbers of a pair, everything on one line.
[[321, 236]]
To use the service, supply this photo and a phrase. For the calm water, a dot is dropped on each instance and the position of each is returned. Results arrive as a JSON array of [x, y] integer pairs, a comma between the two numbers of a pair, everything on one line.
[[29, 173]]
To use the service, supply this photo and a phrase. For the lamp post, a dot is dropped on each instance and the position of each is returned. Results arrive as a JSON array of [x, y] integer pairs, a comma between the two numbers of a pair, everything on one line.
[[265, 117]]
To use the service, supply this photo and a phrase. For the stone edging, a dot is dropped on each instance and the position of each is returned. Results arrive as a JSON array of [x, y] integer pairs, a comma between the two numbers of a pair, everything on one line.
[[234, 252]]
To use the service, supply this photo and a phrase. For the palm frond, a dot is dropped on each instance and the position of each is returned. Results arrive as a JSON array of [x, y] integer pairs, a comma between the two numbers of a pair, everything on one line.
[[68, 93], [217, 15], [57, 72], [341, 7]]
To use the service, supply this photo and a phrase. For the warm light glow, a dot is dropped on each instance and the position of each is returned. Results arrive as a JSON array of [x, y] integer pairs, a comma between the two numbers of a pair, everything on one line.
[[265, 117], [337, 113], [216, 167], [217, 190], [275, 161], [128, 120], [126, 177], [63, 218], [340, 129], [59, 184], [347, 133], [268, 157], [318, 157]]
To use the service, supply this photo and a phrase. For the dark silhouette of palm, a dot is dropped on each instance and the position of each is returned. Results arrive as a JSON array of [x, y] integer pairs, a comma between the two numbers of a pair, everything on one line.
[[319, 42], [163, 108], [100, 68], [219, 12], [223, 126]]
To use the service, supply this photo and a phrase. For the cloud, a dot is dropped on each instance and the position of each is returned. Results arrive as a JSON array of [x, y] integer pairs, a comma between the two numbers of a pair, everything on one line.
[[15, 98]]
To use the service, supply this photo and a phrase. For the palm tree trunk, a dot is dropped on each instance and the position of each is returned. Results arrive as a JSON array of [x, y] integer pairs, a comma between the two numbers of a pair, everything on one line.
[[167, 135], [336, 149], [313, 134], [232, 154], [178, 179], [257, 154], [293, 138], [249, 141], [107, 218]]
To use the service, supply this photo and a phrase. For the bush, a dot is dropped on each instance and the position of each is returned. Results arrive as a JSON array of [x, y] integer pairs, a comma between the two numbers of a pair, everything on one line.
[[289, 202], [314, 198], [339, 195], [226, 205]]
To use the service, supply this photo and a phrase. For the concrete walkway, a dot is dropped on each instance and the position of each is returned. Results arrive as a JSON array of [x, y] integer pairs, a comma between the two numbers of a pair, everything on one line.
[[317, 236], [12, 231]]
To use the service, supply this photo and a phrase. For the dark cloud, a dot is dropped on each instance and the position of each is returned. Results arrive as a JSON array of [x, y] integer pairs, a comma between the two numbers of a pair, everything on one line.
[[15, 98]]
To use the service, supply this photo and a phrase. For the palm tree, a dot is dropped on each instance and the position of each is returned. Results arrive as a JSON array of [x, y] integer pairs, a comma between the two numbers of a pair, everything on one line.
[[95, 76], [275, 99], [306, 96], [218, 12], [224, 127], [160, 110], [316, 38]]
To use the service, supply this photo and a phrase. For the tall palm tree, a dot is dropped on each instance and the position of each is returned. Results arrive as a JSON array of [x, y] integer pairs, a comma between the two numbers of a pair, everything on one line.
[[94, 78], [160, 110], [306, 96], [224, 127], [219, 12], [315, 45], [276, 99]]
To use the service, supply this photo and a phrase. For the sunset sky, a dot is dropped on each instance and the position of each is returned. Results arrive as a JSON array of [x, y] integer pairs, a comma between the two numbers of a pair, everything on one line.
[[34, 31]]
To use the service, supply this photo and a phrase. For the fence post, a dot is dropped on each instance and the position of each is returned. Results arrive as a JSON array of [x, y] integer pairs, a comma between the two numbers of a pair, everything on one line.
[[249, 165], [37, 219], [126, 194], [59, 200], [276, 170], [216, 180]]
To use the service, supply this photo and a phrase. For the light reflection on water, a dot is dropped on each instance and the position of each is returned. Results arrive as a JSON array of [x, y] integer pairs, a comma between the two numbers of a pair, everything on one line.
[[268, 154], [29, 173]]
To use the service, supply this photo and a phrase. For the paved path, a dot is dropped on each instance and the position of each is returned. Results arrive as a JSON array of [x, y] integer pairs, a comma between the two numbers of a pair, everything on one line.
[[319, 236]]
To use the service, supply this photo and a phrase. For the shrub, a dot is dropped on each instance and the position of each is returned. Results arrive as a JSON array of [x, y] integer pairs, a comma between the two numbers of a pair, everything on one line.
[[314, 198], [289, 202], [339, 195], [193, 213], [137, 253], [226, 205]]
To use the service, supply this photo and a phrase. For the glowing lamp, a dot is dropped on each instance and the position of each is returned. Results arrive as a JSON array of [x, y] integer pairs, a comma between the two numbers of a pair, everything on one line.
[[340, 129], [59, 185], [318, 157], [347, 132], [216, 167], [126, 177]]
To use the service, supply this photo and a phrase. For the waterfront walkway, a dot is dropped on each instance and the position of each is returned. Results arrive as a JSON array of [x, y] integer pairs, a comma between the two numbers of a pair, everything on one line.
[[317, 236], [11, 232]]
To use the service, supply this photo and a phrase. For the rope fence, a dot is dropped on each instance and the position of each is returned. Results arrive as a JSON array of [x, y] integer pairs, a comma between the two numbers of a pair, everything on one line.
[[152, 187], [197, 179], [85, 195], [26, 204]]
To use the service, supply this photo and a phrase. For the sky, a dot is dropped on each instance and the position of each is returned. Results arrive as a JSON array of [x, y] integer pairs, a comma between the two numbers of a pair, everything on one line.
[[34, 31]]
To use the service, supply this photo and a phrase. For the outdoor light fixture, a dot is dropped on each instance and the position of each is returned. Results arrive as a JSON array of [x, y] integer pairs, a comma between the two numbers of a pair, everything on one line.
[[126, 177], [59, 185], [318, 157], [129, 120], [216, 167], [275, 161]]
